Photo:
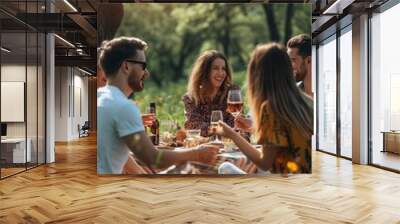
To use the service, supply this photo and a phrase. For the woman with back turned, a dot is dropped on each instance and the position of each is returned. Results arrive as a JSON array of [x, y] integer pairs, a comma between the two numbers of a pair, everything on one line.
[[282, 114]]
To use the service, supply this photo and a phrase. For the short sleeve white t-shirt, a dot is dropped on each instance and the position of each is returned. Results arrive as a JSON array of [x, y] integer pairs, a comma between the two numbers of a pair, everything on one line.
[[117, 117]]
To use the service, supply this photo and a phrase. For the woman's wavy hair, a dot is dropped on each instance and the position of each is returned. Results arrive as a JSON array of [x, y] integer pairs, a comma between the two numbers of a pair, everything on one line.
[[199, 86], [271, 86]]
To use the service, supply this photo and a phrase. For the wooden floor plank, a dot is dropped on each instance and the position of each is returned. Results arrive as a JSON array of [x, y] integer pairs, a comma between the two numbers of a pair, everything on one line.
[[70, 191]]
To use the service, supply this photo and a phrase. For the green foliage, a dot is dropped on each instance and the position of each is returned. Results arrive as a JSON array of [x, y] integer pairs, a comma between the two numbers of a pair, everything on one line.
[[168, 100], [177, 33], [301, 21]]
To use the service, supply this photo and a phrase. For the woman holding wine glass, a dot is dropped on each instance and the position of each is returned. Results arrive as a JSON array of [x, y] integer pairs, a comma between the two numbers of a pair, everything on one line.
[[282, 114], [208, 87]]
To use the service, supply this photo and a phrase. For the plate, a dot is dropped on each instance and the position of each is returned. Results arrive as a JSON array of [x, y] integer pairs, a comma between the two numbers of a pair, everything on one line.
[[232, 155]]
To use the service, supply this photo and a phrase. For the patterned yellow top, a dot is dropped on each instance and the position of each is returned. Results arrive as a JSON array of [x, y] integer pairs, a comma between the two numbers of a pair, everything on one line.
[[294, 154]]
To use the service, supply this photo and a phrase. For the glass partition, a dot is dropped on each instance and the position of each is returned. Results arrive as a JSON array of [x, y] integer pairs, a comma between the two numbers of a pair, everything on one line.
[[22, 90], [13, 105]]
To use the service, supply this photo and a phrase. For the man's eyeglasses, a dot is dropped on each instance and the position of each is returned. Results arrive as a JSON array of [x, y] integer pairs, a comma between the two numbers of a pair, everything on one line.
[[144, 64]]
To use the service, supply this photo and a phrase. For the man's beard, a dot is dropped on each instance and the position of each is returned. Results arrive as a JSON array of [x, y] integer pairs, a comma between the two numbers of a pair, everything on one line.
[[301, 73], [135, 84]]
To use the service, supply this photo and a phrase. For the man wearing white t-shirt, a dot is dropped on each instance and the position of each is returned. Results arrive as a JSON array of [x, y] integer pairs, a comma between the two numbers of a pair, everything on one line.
[[120, 126]]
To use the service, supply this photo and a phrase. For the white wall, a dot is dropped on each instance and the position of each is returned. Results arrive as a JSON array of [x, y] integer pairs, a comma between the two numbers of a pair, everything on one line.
[[81, 104], [71, 94], [61, 103], [16, 73]]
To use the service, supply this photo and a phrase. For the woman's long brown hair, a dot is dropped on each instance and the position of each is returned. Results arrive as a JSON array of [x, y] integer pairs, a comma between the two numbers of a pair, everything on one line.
[[199, 86], [271, 85]]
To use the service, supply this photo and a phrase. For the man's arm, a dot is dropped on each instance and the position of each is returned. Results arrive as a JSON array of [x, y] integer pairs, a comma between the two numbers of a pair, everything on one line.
[[132, 167], [140, 144]]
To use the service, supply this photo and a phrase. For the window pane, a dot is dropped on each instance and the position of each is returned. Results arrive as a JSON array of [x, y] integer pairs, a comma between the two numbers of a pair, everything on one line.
[[327, 95], [385, 86], [346, 93]]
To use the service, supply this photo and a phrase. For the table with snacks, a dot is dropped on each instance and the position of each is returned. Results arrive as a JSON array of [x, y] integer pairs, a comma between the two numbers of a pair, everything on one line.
[[229, 160], [228, 153]]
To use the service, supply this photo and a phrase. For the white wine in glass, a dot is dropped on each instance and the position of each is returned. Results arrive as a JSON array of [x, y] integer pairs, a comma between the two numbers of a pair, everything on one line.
[[216, 116]]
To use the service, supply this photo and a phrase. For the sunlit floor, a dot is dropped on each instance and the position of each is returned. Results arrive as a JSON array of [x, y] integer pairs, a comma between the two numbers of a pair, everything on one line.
[[386, 159]]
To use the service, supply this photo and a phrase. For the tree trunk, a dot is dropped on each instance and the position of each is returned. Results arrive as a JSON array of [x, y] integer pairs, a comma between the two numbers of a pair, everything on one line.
[[227, 35], [288, 22], [273, 27], [190, 42]]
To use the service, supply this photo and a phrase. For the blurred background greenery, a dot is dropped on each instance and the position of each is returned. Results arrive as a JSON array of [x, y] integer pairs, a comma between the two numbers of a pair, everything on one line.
[[178, 33]]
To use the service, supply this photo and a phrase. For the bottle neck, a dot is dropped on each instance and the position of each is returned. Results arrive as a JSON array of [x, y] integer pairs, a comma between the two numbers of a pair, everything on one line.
[[152, 111]]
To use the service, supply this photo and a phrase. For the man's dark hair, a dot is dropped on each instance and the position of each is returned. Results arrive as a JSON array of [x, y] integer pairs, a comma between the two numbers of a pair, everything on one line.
[[115, 51], [301, 42]]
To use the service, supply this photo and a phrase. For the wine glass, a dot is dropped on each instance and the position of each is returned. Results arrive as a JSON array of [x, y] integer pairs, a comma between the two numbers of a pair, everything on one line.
[[216, 116], [167, 129], [148, 119], [193, 137], [235, 102]]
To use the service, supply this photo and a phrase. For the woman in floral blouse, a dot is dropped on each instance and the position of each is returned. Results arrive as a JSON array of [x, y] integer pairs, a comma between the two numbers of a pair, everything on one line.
[[282, 114], [208, 87]]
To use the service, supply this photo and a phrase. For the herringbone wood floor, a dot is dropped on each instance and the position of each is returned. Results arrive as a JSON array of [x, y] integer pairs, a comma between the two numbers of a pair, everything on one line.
[[69, 191]]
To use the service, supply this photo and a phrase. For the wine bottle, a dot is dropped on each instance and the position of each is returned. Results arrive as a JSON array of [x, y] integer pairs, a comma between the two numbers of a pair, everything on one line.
[[155, 127]]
